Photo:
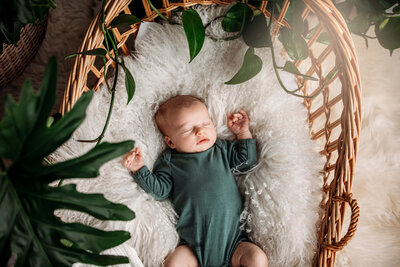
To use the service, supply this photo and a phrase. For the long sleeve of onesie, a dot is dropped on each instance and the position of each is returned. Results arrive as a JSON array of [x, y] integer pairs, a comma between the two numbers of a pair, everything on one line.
[[157, 183], [242, 154]]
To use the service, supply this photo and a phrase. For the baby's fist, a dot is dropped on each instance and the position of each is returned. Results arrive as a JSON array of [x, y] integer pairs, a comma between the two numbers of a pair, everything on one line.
[[134, 160], [238, 123]]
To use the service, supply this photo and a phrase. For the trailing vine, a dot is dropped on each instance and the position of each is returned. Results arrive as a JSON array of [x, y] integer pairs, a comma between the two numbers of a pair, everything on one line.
[[248, 22]]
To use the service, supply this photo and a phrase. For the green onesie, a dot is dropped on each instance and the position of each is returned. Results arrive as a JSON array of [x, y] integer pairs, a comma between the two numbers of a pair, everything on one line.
[[205, 195]]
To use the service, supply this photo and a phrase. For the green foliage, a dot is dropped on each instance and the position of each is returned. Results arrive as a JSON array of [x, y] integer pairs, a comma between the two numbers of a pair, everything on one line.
[[194, 31], [291, 67], [256, 32], [30, 233], [124, 20], [382, 14], [251, 66], [129, 84], [294, 44], [110, 43], [388, 33], [292, 39], [236, 17], [14, 15], [94, 52]]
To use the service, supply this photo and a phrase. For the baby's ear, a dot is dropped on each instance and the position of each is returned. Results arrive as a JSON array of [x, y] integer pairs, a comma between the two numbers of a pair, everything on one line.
[[169, 142]]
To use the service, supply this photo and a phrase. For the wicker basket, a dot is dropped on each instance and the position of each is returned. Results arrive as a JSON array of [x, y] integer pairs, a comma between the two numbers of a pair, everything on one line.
[[339, 136], [15, 58]]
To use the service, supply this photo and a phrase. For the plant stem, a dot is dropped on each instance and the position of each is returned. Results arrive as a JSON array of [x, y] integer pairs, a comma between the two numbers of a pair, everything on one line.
[[297, 89], [47, 161], [111, 106], [105, 74], [276, 67], [156, 10], [113, 42]]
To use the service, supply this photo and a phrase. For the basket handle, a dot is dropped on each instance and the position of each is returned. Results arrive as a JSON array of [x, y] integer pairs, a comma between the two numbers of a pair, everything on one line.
[[355, 213]]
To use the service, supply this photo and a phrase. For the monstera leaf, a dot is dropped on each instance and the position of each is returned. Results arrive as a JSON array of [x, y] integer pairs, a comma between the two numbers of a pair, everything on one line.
[[30, 233]]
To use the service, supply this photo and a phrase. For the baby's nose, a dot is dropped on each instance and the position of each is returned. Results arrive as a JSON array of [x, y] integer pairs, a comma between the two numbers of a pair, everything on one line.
[[199, 131]]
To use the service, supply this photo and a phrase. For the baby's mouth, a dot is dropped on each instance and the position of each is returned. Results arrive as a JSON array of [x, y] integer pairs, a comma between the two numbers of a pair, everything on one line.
[[202, 141]]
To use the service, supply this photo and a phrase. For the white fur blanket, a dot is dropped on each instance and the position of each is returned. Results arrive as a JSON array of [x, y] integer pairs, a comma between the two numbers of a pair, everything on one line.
[[376, 184], [282, 195]]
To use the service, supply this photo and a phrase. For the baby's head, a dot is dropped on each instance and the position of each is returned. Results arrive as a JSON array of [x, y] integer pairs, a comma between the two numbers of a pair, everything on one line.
[[186, 125]]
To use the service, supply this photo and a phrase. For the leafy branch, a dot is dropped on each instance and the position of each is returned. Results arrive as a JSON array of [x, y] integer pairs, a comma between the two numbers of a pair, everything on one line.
[[111, 51], [383, 15], [30, 233]]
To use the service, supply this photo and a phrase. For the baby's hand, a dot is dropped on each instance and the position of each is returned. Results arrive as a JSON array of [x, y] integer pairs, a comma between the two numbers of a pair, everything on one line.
[[238, 123], [134, 160]]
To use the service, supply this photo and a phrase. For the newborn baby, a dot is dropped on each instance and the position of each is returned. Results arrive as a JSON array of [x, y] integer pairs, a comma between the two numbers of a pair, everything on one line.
[[196, 172]]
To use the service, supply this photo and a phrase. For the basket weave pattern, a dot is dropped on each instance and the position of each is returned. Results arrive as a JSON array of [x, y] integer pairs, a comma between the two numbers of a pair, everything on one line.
[[15, 58], [339, 149]]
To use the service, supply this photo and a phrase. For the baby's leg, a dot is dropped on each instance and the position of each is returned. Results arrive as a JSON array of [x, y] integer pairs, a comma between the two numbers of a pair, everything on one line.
[[182, 256], [249, 255]]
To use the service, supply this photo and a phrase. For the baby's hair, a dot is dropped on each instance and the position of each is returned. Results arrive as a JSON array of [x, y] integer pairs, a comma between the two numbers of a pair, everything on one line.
[[175, 102]]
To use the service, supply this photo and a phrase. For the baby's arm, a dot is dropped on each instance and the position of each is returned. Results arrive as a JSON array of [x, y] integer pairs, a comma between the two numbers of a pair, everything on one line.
[[238, 123], [157, 183]]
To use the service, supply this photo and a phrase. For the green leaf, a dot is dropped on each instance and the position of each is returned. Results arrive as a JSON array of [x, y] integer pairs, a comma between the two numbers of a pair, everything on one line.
[[194, 31], [293, 16], [251, 66], [236, 16], [49, 122], [129, 84], [14, 15], [388, 33], [124, 20], [291, 67], [323, 38], [29, 115], [85, 166], [101, 52], [30, 233], [382, 5], [256, 33], [294, 43], [360, 24], [383, 24]]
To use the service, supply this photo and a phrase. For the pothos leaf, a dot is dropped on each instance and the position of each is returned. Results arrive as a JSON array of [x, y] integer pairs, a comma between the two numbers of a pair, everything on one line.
[[236, 16], [294, 44], [194, 31], [256, 32], [251, 66], [293, 15], [388, 33], [30, 234], [290, 67], [360, 24], [129, 84], [124, 20], [101, 52]]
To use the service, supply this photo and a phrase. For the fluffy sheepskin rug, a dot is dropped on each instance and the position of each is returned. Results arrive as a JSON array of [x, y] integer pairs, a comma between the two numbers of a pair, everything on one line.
[[283, 193], [376, 184]]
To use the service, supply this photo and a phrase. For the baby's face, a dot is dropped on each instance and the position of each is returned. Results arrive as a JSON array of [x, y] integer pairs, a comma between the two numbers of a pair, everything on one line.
[[190, 129]]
